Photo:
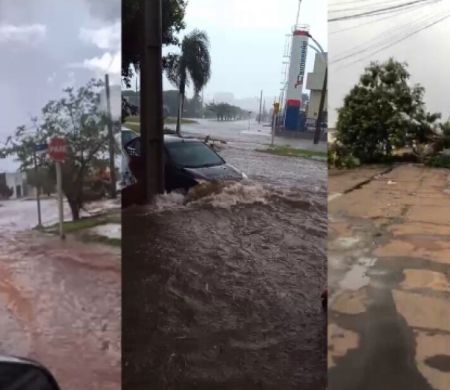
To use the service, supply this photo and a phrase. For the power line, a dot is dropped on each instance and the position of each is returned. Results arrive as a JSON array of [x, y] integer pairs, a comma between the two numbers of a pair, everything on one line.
[[405, 37], [359, 2], [368, 22], [365, 3], [379, 11], [364, 6], [386, 38]]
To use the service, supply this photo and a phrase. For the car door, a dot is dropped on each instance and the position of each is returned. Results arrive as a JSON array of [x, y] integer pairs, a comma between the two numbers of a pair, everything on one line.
[[176, 177]]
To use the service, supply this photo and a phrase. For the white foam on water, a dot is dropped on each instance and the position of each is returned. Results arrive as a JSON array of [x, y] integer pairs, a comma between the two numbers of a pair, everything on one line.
[[109, 230], [229, 195], [168, 201]]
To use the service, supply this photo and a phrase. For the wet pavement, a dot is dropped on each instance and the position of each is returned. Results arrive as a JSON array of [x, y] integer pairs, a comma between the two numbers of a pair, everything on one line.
[[388, 275], [223, 287], [244, 131], [60, 301]]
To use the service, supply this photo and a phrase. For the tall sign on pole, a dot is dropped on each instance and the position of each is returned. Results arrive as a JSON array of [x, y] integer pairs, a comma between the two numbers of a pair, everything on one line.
[[57, 152], [296, 77]]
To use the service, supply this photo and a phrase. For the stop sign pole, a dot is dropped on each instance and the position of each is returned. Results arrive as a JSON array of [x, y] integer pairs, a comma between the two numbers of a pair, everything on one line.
[[57, 152]]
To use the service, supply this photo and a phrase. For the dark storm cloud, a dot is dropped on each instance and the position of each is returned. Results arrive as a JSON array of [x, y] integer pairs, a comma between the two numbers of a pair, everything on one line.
[[106, 10], [39, 40]]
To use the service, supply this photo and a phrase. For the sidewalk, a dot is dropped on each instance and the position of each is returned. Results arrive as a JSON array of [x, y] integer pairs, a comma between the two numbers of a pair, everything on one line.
[[389, 266]]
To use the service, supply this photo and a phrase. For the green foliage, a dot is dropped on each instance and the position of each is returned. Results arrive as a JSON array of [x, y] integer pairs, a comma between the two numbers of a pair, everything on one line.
[[173, 12], [78, 118], [440, 161], [193, 64], [382, 113], [41, 178], [340, 157], [288, 151], [226, 112]]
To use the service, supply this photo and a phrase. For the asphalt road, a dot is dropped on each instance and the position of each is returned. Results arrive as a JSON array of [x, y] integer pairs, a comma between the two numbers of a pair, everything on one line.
[[59, 301], [389, 268]]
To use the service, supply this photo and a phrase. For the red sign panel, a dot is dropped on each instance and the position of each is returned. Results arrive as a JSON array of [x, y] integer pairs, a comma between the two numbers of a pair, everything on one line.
[[293, 103], [57, 149]]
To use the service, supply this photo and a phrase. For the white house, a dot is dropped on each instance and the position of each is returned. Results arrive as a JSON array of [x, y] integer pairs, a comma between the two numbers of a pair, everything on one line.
[[17, 182]]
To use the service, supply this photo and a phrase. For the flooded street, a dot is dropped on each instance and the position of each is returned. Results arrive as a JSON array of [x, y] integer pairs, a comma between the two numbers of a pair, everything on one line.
[[224, 287], [60, 301], [389, 286], [244, 132]]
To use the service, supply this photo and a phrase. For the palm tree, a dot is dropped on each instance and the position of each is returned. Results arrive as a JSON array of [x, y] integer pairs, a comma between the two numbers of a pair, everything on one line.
[[193, 64]]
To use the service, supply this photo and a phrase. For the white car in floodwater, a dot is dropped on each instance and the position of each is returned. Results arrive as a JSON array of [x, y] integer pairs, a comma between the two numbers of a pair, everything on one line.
[[125, 136]]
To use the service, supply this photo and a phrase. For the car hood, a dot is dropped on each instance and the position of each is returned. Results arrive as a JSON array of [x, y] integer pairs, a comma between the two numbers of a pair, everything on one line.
[[215, 173]]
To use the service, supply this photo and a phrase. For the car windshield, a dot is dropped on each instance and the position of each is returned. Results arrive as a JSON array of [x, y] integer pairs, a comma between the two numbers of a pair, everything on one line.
[[192, 154], [127, 136]]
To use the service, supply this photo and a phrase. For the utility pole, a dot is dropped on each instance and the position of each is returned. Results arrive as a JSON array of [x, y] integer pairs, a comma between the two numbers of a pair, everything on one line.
[[260, 107], [38, 188], [264, 109], [321, 105], [151, 113], [112, 167]]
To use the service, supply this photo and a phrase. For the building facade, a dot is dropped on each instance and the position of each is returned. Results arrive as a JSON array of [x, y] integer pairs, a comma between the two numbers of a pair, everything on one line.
[[16, 182], [314, 83]]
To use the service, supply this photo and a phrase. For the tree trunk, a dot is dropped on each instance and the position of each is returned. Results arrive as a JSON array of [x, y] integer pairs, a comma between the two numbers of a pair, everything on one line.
[[74, 208], [180, 103], [178, 129]]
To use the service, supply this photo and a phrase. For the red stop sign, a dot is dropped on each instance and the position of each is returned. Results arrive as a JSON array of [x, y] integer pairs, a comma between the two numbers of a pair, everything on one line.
[[57, 149]]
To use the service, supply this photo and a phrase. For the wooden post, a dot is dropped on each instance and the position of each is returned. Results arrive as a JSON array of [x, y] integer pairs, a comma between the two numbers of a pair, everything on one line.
[[60, 199]]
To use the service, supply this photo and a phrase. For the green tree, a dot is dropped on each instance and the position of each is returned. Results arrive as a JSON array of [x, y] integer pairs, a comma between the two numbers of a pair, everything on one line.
[[193, 64], [78, 118], [383, 112], [41, 178], [173, 12], [226, 112]]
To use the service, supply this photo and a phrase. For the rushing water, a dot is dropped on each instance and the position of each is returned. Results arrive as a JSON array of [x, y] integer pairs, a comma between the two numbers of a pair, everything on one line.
[[223, 286]]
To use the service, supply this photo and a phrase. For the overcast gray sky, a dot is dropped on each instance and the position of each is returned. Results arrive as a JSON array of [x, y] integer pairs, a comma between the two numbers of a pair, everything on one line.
[[247, 41], [46, 45], [427, 52]]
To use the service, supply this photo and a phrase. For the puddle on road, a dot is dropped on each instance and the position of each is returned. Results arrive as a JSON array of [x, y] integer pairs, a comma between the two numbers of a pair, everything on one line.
[[432, 358], [340, 342], [357, 277], [347, 242]]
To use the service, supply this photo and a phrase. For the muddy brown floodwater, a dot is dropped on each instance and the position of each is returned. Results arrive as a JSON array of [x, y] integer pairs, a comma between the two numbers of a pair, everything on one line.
[[60, 305], [224, 291]]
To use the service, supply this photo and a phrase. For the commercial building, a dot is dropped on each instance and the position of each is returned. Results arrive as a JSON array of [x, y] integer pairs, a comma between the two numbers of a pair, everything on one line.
[[314, 83]]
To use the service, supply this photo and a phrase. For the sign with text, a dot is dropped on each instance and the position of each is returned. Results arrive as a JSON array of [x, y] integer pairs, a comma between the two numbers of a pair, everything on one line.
[[40, 148], [301, 75], [57, 149]]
